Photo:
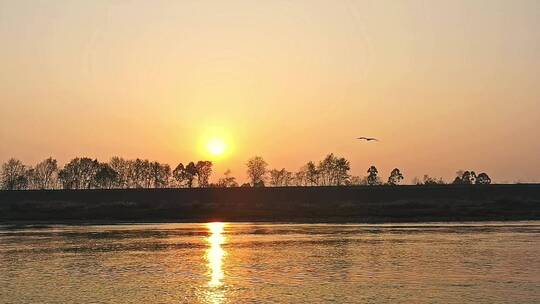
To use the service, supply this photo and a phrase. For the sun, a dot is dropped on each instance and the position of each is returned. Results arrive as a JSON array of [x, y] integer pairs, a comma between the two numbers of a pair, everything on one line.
[[216, 146], [216, 143]]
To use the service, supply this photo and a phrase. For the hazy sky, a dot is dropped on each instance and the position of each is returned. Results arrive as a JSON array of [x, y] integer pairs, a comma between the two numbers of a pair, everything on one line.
[[445, 85]]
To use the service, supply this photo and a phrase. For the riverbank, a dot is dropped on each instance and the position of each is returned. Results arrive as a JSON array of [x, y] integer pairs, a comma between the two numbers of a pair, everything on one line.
[[288, 204]]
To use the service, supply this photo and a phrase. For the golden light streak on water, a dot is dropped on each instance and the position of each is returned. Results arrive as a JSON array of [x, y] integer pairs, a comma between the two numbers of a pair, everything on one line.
[[215, 253]]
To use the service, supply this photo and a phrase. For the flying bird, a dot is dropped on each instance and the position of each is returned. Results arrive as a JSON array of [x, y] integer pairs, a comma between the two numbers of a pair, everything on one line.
[[367, 138]]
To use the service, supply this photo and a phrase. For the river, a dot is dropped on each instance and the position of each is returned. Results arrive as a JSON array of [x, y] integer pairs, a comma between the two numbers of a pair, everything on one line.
[[475, 262]]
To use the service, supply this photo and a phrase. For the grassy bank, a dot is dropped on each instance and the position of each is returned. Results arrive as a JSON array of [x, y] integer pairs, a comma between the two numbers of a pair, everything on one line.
[[295, 204]]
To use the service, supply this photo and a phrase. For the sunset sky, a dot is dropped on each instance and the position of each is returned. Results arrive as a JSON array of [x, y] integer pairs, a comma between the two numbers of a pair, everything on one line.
[[445, 85]]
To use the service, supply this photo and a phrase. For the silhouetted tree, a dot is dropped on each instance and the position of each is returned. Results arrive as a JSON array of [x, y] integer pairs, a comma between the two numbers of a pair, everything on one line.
[[275, 177], [148, 178], [86, 173], [13, 175], [333, 170], [185, 175], [300, 178], [256, 171], [395, 177], [160, 174], [312, 174], [428, 180], [31, 179], [307, 175], [204, 170], [46, 174], [483, 179], [469, 177], [458, 180], [227, 181], [139, 173], [79, 173], [341, 171], [281, 178], [373, 178], [324, 170], [179, 174], [191, 172], [123, 169], [465, 178], [106, 177]]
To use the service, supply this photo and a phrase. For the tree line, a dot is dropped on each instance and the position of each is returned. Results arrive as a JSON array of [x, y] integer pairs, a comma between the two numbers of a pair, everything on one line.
[[120, 173]]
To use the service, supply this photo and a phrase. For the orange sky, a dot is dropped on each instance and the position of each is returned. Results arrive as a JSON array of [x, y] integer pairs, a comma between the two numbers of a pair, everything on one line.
[[446, 85]]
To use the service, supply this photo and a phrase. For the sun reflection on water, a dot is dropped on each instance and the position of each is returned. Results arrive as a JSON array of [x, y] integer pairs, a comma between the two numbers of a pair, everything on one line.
[[215, 253]]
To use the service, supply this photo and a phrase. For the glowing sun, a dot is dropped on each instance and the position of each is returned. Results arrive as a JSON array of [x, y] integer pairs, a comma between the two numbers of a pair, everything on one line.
[[216, 146]]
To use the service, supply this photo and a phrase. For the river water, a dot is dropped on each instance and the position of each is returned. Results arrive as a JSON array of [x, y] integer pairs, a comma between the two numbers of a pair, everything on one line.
[[271, 263]]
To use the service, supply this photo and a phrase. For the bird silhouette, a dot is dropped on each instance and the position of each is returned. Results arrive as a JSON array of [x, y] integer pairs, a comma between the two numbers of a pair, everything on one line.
[[367, 138]]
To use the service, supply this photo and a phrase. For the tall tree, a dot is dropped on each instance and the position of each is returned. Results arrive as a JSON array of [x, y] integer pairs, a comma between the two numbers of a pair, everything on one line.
[[275, 177], [469, 177], [106, 177], [312, 174], [465, 177], [180, 175], [204, 170], [333, 170], [46, 174], [280, 178], [147, 177], [483, 179], [395, 177], [256, 170], [122, 168], [79, 173], [300, 177], [373, 178], [32, 181], [307, 175], [288, 179], [13, 175], [325, 168], [341, 171], [184, 175], [140, 173], [191, 173], [160, 174]]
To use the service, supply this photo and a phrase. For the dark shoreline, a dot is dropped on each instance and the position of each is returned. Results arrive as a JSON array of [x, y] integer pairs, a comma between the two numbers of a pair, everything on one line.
[[379, 204]]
